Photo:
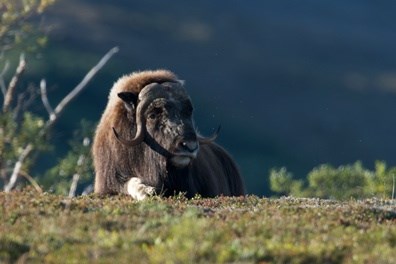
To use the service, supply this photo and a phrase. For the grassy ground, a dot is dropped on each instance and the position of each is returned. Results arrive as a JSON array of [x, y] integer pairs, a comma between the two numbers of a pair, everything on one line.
[[37, 228]]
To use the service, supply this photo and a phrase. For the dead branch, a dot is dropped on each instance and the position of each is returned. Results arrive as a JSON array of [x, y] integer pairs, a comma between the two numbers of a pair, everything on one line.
[[394, 186], [44, 99], [32, 181], [13, 83], [88, 190], [31, 95], [2, 74], [17, 168], [76, 177], [58, 110], [73, 186], [25, 100], [17, 109], [78, 89]]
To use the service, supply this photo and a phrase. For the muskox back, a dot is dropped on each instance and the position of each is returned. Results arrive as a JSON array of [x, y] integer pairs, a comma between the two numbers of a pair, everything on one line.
[[146, 143]]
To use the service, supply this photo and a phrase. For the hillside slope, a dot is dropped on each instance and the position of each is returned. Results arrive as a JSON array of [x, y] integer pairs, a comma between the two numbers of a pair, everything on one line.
[[44, 228], [292, 84]]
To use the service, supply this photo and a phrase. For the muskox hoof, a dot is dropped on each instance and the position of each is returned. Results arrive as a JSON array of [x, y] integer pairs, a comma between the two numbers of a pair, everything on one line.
[[138, 190]]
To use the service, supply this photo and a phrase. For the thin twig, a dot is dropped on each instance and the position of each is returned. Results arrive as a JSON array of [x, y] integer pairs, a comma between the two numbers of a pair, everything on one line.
[[25, 100], [68, 98], [393, 188], [58, 110], [88, 190], [13, 83], [31, 95], [2, 74], [76, 177], [17, 168], [44, 99], [18, 106], [73, 186], [32, 181]]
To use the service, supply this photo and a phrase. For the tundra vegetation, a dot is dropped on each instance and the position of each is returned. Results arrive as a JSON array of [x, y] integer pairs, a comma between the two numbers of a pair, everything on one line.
[[342, 183], [353, 222], [47, 228]]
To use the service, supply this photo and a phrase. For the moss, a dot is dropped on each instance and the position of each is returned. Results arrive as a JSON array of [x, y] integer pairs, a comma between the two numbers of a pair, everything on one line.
[[11, 250], [54, 229]]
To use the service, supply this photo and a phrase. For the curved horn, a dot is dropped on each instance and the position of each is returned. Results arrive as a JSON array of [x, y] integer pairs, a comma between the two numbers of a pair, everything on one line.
[[146, 96], [129, 143], [140, 128], [207, 140], [139, 137]]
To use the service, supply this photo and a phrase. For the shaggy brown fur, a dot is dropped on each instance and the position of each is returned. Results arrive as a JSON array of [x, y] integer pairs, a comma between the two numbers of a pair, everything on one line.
[[212, 173]]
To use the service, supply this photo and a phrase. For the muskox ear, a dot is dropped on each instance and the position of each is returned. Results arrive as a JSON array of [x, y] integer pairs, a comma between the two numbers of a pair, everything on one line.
[[129, 99]]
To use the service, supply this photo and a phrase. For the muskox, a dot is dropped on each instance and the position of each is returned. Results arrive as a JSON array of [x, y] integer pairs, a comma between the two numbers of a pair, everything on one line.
[[146, 143]]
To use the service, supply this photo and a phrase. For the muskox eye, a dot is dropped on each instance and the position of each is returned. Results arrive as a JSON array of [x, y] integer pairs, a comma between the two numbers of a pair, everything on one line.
[[154, 113]]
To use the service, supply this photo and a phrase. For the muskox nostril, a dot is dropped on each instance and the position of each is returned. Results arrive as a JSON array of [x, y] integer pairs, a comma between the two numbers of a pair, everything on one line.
[[190, 146]]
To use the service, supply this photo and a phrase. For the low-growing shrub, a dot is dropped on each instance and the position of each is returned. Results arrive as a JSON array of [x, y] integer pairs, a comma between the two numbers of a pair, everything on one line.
[[343, 182]]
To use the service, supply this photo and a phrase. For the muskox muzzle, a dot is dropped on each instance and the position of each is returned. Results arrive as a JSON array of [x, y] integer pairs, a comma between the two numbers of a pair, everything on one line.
[[185, 152]]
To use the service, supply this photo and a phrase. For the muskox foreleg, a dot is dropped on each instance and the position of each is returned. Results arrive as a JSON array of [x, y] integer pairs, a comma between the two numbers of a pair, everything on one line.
[[138, 190]]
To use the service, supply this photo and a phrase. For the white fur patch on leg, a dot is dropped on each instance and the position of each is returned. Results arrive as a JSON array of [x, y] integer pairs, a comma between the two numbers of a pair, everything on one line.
[[138, 190]]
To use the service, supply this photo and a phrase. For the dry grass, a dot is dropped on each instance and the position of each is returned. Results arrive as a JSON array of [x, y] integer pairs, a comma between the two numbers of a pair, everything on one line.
[[37, 228]]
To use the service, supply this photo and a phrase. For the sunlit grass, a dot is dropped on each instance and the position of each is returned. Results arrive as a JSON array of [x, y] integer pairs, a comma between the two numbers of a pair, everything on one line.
[[47, 228]]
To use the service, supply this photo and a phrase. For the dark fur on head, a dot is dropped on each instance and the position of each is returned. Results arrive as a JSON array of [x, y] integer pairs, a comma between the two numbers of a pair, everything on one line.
[[167, 127]]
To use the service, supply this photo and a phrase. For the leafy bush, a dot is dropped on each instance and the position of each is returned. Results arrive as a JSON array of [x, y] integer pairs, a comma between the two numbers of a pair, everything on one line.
[[16, 27], [344, 182], [75, 167], [282, 182], [13, 137]]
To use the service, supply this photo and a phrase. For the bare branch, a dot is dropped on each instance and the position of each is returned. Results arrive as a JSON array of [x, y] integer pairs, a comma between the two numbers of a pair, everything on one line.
[[18, 106], [30, 95], [58, 110], [44, 99], [13, 83], [88, 190], [68, 98], [17, 168], [5, 68], [25, 100], [2, 74], [393, 187], [76, 176], [73, 186], [32, 181]]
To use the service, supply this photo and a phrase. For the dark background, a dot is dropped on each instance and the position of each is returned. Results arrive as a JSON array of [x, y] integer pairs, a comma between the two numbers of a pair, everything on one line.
[[293, 83]]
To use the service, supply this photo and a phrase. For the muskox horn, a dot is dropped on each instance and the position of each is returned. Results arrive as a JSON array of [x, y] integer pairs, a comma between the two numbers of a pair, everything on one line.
[[139, 137], [146, 96], [207, 140], [126, 142]]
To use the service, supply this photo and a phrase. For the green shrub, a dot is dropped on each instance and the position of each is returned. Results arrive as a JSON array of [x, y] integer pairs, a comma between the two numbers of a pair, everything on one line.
[[25, 129], [75, 166], [16, 28], [344, 182]]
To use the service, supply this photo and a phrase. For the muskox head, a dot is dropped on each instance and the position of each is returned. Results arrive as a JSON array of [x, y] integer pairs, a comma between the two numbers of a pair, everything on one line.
[[161, 115]]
